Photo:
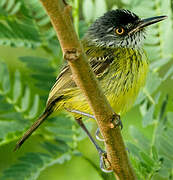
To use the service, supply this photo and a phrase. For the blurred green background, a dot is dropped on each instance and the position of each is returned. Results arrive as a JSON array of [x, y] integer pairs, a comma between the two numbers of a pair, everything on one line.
[[30, 60]]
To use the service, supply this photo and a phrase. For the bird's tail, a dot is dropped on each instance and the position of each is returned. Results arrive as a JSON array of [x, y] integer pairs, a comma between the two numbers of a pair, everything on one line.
[[32, 129]]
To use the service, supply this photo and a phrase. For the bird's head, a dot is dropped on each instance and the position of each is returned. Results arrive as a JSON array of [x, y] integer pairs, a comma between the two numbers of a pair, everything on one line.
[[119, 28]]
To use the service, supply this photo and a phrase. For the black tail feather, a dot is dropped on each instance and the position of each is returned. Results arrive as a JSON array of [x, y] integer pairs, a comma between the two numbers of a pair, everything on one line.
[[32, 129]]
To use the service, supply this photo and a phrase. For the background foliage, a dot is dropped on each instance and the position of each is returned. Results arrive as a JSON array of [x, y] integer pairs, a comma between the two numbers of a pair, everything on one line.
[[30, 59]]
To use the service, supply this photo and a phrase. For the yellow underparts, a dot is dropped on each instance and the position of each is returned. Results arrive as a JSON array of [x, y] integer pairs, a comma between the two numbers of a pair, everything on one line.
[[121, 82]]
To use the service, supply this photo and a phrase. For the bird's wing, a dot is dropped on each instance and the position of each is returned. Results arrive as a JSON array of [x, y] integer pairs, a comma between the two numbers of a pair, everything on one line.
[[99, 62]]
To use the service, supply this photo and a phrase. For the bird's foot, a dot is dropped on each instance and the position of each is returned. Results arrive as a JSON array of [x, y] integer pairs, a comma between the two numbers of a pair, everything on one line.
[[116, 121], [105, 165], [97, 135]]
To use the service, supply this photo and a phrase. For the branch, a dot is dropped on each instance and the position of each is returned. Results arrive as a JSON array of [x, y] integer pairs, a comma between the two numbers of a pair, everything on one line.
[[59, 12]]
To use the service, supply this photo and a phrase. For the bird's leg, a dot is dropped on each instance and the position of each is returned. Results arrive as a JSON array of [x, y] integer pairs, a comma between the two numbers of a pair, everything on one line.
[[89, 116], [116, 121], [81, 113], [104, 163]]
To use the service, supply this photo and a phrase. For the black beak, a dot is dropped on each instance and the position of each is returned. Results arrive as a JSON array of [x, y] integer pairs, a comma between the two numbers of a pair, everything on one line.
[[149, 21], [146, 22]]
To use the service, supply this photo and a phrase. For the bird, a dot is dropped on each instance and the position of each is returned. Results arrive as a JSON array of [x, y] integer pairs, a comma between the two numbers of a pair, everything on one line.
[[113, 45]]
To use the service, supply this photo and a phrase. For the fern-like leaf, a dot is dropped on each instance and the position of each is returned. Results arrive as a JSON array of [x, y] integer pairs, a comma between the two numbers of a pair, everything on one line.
[[14, 110], [19, 33], [31, 165]]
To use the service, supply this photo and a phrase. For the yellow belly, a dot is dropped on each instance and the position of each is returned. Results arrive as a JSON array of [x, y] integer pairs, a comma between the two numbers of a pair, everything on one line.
[[126, 82]]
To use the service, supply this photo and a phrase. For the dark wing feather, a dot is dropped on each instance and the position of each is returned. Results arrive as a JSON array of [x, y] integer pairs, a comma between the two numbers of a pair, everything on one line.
[[100, 60]]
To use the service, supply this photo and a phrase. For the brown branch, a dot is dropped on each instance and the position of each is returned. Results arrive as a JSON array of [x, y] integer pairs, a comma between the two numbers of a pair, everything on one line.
[[84, 77]]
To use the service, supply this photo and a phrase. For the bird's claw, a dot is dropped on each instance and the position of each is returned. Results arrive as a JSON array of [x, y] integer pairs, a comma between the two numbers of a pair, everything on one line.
[[116, 121], [104, 162], [97, 135]]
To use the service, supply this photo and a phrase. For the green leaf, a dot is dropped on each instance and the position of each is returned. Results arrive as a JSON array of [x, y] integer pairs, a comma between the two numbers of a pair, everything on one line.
[[139, 138], [31, 165], [44, 21], [50, 78], [168, 73], [164, 172], [168, 45], [61, 127], [16, 8], [25, 101], [155, 153], [148, 115], [147, 159], [170, 117], [41, 71], [155, 65], [60, 146], [9, 129], [2, 70], [82, 28], [102, 8], [17, 88], [10, 4], [169, 134], [62, 121], [166, 162], [4, 106], [34, 109], [33, 60], [133, 149], [6, 80], [89, 11], [60, 133], [2, 2], [11, 115], [19, 33], [166, 147], [144, 9], [153, 52], [153, 82], [63, 132]]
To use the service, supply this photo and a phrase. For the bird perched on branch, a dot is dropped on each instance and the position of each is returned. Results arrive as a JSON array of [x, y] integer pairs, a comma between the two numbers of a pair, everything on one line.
[[113, 45]]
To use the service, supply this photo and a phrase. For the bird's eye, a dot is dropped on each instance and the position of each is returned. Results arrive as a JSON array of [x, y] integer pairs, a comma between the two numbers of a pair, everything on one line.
[[119, 31]]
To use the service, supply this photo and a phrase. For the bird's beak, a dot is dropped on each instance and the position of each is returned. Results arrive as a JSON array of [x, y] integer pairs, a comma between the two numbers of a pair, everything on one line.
[[146, 22]]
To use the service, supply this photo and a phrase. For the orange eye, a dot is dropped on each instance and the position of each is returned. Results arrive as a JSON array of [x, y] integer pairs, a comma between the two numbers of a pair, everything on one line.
[[119, 31]]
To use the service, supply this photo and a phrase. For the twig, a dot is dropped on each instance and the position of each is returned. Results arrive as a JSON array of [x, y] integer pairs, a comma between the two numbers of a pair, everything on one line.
[[59, 12], [64, 1]]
